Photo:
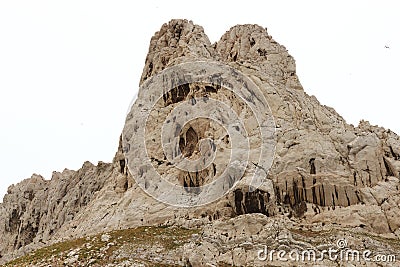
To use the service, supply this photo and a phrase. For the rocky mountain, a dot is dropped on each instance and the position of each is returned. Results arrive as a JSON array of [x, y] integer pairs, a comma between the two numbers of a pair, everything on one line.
[[309, 180]]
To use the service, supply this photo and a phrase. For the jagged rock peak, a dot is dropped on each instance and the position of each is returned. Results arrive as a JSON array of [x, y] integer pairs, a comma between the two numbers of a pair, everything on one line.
[[176, 39], [251, 45], [248, 45]]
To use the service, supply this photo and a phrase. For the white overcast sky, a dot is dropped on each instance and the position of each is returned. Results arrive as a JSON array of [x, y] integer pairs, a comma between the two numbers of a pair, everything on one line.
[[69, 69]]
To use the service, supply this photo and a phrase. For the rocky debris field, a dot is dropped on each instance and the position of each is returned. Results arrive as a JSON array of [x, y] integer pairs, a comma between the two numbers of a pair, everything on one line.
[[234, 242]]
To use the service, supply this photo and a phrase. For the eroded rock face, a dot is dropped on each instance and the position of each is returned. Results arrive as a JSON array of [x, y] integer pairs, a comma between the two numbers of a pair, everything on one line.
[[324, 170], [35, 209]]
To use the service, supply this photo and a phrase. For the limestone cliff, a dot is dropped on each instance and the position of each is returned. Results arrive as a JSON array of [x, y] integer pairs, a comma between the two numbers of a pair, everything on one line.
[[324, 170]]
